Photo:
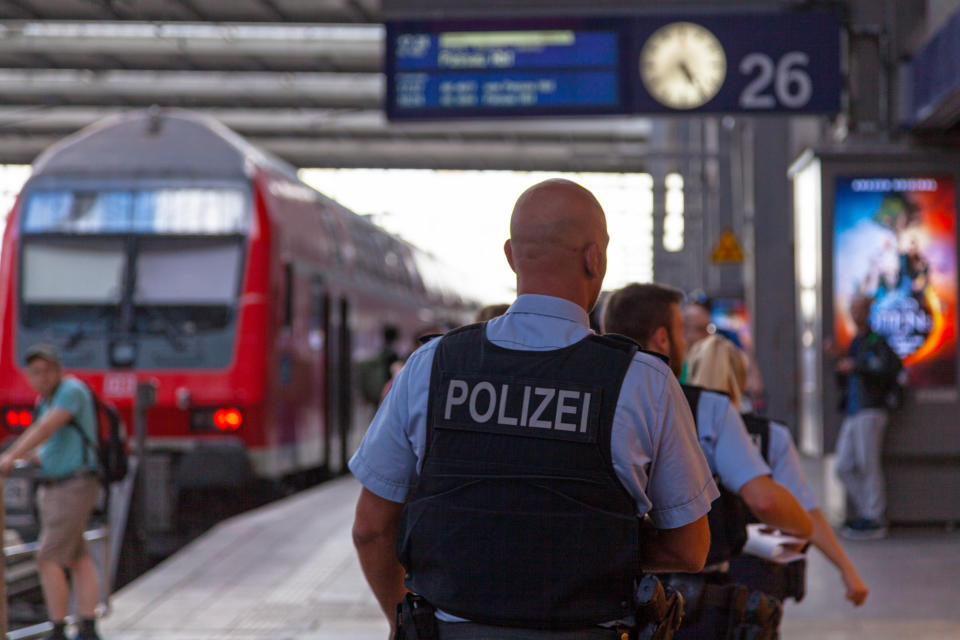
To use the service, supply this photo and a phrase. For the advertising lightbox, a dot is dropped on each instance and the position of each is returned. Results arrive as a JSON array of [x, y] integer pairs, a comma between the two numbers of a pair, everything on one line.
[[895, 242]]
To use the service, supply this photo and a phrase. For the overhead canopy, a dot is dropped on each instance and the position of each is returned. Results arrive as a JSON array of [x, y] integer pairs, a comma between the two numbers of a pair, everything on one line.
[[300, 79]]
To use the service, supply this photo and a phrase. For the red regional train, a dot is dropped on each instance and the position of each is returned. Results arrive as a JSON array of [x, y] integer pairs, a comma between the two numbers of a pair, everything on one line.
[[161, 246]]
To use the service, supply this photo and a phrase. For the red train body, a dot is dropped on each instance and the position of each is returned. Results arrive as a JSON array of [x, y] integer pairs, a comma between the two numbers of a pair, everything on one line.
[[162, 247]]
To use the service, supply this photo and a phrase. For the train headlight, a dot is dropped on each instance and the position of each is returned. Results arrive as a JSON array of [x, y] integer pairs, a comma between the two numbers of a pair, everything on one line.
[[216, 419]]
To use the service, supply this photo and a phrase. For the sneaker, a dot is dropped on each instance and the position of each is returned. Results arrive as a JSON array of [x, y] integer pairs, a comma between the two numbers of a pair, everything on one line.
[[864, 529]]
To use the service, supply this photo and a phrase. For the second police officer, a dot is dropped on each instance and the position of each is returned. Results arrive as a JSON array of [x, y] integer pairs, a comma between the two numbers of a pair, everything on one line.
[[716, 363], [505, 474], [716, 608]]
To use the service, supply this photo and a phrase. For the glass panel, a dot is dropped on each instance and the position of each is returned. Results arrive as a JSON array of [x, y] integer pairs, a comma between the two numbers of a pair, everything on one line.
[[73, 274], [193, 275], [171, 211]]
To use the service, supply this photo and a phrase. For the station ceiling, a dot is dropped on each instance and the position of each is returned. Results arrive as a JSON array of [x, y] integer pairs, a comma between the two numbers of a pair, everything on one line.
[[300, 78]]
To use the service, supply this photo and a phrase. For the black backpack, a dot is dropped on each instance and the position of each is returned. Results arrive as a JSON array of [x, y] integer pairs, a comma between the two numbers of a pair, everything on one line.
[[111, 446]]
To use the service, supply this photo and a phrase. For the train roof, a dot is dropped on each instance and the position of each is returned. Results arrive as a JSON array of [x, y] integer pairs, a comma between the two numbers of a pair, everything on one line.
[[157, 142]]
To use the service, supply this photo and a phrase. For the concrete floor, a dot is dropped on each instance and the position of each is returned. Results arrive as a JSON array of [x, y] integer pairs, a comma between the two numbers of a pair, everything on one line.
[[288, 572]]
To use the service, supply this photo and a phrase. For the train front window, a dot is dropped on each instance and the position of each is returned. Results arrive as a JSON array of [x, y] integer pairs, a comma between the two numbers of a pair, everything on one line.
[[189, 285], [155, 266], [72, 286]]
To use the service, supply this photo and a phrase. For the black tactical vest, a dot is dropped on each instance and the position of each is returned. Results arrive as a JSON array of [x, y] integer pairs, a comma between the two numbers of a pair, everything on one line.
[[518, 518], [729, 514], [759, 429]]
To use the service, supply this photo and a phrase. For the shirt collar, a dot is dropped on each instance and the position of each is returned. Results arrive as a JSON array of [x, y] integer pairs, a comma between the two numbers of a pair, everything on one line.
[[550, 306]]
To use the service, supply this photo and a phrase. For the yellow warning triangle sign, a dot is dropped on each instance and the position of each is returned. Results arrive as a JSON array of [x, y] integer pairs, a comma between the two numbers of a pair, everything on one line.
[[727, 248]]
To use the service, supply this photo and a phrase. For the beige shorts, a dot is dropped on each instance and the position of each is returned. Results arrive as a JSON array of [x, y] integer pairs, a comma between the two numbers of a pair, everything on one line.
[[64, 511]]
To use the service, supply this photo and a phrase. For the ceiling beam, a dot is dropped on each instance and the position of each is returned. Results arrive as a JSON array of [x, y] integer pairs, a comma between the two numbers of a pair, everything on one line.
[[318, 11], [182, 88], [351, 48], [25, 119], [408, 154]]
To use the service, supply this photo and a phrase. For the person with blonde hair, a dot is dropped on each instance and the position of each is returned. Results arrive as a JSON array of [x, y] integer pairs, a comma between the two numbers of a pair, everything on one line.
[[717, 363]]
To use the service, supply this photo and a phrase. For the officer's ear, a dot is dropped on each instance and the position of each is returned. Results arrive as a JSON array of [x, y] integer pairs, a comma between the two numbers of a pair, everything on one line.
[[508, 251], [660, 340], [592, 262]]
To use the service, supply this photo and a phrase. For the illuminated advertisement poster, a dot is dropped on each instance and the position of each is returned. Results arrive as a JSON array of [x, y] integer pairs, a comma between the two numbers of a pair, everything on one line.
[[731, 318], [895, 241]]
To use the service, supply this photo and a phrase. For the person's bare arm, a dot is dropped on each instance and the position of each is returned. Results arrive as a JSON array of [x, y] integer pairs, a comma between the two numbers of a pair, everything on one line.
[[683, 549], [35, 435], [375, 537], [824, 539], [774, 505]]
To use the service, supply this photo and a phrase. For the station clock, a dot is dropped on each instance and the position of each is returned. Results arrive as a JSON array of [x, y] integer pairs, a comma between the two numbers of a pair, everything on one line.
[[683, 65]]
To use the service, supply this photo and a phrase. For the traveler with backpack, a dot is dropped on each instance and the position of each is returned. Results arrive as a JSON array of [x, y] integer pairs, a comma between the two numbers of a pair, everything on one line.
[[63, 430]]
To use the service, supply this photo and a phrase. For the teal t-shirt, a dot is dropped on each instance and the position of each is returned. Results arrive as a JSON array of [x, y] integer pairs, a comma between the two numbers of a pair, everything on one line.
[[65, 451]]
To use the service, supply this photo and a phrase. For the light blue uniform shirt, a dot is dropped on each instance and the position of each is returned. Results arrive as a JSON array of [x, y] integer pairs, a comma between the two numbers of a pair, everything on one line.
[[653, 440], [726, 444], [785, 462], [63, 452]]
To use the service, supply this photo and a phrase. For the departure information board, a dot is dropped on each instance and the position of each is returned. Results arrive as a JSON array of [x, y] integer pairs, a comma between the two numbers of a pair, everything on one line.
[[737, 62], [471, 72]]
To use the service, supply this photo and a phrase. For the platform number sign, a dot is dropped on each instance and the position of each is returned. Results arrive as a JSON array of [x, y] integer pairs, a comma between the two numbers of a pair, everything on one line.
[[785, 82]]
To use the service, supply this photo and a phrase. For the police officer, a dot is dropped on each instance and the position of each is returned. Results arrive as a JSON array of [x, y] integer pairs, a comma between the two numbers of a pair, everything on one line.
[[511, 461], [716, 363], [651, 315]]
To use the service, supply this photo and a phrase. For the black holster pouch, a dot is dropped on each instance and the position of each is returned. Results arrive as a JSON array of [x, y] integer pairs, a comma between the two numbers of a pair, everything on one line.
[[659, 610], [755, 616], [796, 578], [415, 619]]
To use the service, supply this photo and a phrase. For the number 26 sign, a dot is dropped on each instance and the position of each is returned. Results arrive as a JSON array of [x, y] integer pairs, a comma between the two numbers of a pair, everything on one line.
[[737, 63]]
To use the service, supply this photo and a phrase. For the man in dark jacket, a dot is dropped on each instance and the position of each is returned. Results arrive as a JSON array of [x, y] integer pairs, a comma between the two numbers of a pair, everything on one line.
[[866, 374]]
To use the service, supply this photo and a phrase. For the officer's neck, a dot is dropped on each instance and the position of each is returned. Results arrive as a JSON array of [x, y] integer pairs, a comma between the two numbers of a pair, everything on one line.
[[572, 292]]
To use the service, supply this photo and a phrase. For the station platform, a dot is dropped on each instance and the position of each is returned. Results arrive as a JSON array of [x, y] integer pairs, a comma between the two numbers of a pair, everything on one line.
[[289, 571]]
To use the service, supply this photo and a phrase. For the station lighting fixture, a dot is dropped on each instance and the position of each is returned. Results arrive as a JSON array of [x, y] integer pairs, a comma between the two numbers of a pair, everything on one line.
[[673, 222]]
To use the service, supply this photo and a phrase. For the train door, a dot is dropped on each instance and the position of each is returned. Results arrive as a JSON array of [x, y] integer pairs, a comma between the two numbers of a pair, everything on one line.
[[324, 343], [345, 399]]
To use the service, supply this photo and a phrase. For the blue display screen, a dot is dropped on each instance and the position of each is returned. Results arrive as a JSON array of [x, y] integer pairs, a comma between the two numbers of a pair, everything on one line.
[[503, 71], [502, 50]]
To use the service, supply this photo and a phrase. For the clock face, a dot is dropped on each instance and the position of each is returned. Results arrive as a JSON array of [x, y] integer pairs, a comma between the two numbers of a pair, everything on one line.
[[682, 65]]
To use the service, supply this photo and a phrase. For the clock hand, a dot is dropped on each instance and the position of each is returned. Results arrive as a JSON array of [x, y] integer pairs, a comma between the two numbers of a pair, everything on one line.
[[693, 80]]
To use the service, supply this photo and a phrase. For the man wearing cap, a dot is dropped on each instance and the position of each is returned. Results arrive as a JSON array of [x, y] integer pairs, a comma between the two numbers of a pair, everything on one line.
[[68, 489]]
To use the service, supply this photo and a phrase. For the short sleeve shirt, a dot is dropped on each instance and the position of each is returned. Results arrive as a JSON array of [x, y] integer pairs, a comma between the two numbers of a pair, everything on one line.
[[785, 463], [653, 441], [726, 444], [65, 451]]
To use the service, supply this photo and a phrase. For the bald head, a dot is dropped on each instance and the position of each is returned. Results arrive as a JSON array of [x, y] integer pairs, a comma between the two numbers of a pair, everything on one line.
[[558, 241]]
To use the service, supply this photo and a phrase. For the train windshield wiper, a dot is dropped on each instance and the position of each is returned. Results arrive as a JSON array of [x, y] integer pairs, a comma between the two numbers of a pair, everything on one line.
[[171, 331], [80, 332]]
